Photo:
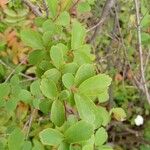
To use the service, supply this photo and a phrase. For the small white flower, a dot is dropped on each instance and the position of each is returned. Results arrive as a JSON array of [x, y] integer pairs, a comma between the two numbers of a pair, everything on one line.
[[139, 120]]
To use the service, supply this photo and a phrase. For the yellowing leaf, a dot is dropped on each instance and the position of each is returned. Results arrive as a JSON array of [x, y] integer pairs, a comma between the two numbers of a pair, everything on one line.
[[118, 113]]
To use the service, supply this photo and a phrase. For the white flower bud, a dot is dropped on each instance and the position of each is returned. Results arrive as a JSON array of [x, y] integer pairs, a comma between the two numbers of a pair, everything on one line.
[[139, 120]]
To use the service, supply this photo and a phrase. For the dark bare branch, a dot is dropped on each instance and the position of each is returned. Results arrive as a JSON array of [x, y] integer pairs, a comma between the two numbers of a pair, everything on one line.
[[105, 13], [34, 9]]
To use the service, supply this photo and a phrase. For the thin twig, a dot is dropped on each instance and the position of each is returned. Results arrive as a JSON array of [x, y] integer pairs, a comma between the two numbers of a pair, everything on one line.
[[13, 71], [141, 51], [105, 12], [20, 73], [34, 8], [74, 5], [46, 8], [109, 62], [28, 124], [147, 60], [136, 82]]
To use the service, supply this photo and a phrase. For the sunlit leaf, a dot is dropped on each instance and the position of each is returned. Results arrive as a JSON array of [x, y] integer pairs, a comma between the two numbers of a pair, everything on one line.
[[51, 137]]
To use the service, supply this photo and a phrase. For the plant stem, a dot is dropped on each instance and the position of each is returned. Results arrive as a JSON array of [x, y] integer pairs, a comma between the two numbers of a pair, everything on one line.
[[141, 51]]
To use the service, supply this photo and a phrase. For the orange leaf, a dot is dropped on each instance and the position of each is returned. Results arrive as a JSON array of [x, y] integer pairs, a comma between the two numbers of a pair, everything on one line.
[[118, 77], [3, 3]]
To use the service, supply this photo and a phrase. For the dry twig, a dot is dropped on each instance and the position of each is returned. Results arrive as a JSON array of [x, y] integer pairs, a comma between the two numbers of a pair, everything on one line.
[[141, 51], [34, 8], [46, 8], [28, 124], [13, 71], [106, 11]]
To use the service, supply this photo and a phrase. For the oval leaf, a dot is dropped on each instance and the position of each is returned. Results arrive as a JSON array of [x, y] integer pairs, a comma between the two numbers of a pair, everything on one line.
[[95, 85], [15, 140], [70, 68], [51, 137], [78, 132], [40, 54], [77, 35], [84, 72], [52, 74], [58, 113], [63, 19], [35, 88], [103, 97], [56, 55], [101, 136], [84, 110], [48, 88], [68, 80], [32, 38]]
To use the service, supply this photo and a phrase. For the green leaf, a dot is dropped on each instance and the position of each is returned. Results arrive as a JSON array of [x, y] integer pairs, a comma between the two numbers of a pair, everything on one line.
[[68, 80], [63, 47], [103, 113], [88, 147], [4, 90], [25, 96], [51, 137], [91, 2], [145, 147], [83, 55], [45, 65], [39, 21], [35, 88], [36, 102], [52, 6], [95, 85], [83, 7], [79, 132], [48, 88], [64, 95], [11, 104], [2, 46], [4, 116], [84, 109], [52, 74], [77, 35], [56, 55], [45, 106], [15, 140], [63, 146], [2, 103], [27, 145], [49, 25], [118, 113], [32, 38], [58, 113], [105, 147], [37, 145], [63, 19], [40, 54], [101, 136], [70, 68], [103, 97], [47, 38], [2, 71], [15, 80], [84, 72], [81, 58]]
